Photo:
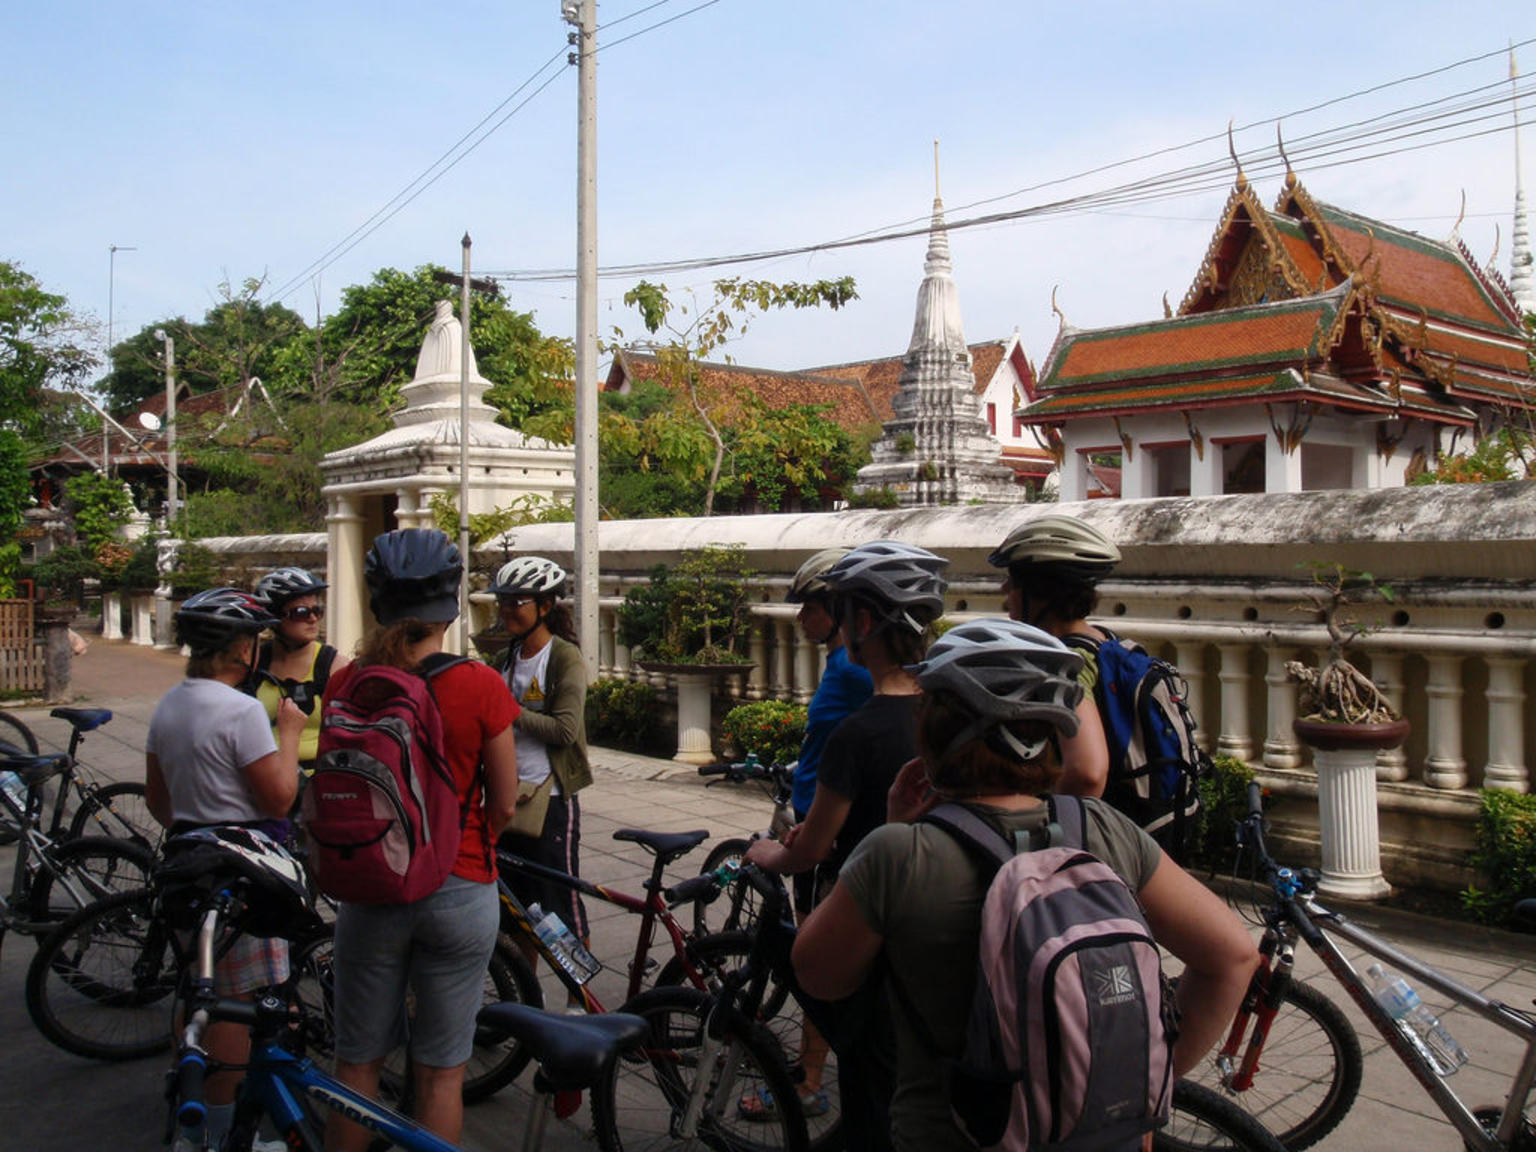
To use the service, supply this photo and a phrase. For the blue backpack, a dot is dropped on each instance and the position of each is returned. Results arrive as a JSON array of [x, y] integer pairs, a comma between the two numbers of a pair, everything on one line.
[[1155, 765]]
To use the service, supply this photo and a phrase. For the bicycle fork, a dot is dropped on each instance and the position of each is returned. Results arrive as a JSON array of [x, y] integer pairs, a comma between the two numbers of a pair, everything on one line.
[[717, 1056], [1265, 993]]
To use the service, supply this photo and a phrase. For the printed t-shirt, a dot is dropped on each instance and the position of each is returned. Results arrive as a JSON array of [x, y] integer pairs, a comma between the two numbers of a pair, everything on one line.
[[203, 733], [529, 679]]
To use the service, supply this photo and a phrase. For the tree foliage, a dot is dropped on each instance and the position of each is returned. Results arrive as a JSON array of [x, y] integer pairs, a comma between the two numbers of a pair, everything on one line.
[[42, 345], [101, 508]]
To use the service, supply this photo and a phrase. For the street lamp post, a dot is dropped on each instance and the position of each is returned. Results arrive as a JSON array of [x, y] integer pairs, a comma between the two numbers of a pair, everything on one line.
[[112, 251], [172, 478]]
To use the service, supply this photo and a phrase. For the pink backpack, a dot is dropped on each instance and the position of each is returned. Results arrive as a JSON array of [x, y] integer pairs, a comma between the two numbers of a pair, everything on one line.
[[1069, 1041], [382, 811]]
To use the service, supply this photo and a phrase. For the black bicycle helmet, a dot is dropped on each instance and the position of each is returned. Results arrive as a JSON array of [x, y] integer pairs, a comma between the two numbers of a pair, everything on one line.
[[413, 573], [810, 580], [529, 576], [268, 883], [1063, 544], [207, 621], [1002, 671], [281, 585], [903, 576]]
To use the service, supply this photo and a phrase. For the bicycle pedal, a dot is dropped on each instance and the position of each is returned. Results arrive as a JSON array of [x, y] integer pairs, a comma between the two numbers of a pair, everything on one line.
[[566, 1103], [651, 964]]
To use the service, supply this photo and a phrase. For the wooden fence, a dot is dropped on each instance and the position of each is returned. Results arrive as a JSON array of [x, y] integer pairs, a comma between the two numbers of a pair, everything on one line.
[[21, 660]]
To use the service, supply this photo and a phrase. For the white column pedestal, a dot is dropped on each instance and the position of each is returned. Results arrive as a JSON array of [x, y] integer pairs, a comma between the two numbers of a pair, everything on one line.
[[1347, 824], [694, 690], [111, 616]]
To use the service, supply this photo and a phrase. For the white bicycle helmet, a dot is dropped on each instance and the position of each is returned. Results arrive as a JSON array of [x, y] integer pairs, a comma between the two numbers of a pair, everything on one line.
[[281, 585], [1001, 671], [207, 621], [906, 577], [269, 884], [1062, 543], [529, 576], [810, 580]]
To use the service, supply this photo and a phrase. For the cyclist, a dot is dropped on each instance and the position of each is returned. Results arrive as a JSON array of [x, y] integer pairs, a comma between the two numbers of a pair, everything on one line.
[[1054, 564], [997, 694], [440, 945], [548, 678], [210, 759], [294, 662], [884, 596]]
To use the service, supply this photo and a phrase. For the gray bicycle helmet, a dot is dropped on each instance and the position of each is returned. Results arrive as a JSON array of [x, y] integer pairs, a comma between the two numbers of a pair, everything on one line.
[[529, 576], [810, 580], [903, 576], [207, 621], [1002, 671], [413, 573], [1065, 544], [281, 585]]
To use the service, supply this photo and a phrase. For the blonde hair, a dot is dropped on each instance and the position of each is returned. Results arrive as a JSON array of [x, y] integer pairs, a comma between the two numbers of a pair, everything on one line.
[[391, 644]]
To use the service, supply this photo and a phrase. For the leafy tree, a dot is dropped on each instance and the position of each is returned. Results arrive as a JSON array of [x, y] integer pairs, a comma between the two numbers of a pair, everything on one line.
[[693, 333], [1505, 455], [101, 508], [790, 455]]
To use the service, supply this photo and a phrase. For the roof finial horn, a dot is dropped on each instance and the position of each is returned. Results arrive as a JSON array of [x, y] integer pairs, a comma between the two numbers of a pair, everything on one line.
[[1060, 314], [1290, 173], [1460, 216], [1242, 180], [1494, 259]]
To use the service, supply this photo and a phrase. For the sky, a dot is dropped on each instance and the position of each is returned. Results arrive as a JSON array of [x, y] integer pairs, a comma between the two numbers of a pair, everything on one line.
[[217, 142]]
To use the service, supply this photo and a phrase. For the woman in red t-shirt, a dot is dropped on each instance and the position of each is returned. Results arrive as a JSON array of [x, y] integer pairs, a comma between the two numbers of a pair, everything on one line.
[[438, 946]]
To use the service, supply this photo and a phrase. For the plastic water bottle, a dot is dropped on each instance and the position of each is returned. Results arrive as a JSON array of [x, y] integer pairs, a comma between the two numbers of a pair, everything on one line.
[[1412, 1015], [15, 789], [563, 945]]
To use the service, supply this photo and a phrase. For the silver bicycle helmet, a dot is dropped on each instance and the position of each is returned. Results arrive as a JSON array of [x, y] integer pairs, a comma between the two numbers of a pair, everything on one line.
[[904, 576], [281, 585], [413, 573], [269, 884], [1066, 544], [810, 580], [207, 621], [529, 576], [1001, 671]]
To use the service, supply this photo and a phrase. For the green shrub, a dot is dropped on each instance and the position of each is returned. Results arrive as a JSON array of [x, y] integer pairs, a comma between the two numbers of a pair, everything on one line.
[[196, 568], [772, 729], [695, 612], [1223, 801], [625, 714], [881, 498], [142, 570], [1504, 855], [64, 571]]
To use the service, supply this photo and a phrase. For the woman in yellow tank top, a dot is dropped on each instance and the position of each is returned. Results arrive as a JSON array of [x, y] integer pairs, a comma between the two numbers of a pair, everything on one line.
[[294, 663]]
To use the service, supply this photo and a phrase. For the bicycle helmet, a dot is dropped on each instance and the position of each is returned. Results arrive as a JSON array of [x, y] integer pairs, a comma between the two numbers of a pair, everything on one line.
[[810, 580], [207, 621], [903, 576], [1069, 546], [269, 884], [1001, 671], [529, 576], [413, 573], [281, 585]]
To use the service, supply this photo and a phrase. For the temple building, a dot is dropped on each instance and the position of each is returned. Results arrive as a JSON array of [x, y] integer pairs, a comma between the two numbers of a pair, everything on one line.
[[1315, 349]]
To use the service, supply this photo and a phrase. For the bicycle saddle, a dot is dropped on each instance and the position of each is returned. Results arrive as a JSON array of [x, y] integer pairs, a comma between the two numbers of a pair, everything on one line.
[[572, 1051], [83, 719], [34, 769], [667, 845]]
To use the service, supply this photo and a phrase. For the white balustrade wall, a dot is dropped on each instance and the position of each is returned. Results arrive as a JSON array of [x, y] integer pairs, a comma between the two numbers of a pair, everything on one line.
[[1222, 587]]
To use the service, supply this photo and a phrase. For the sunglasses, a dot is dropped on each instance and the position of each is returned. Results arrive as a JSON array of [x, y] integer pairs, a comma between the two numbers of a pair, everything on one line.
[[304, 612], [514, 601]]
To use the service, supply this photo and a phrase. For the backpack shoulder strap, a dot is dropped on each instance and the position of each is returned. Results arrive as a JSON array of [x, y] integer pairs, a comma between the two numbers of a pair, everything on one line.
[[322, 669], [1069, 821], [978, 837]]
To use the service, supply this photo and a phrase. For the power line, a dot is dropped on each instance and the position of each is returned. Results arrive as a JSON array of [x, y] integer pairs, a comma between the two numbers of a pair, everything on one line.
[[652, 27]]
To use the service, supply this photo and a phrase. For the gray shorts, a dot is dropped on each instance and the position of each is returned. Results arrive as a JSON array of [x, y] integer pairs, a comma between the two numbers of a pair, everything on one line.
[[439, 948]]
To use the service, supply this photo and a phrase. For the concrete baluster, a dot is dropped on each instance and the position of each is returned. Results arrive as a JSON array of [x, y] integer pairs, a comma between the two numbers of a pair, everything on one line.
[[1506, 726], [759, 647], [1191, 661], [1387, 673], [1444, 766], [348, 597], [607, 640], [1281, 749], [1236, 737]]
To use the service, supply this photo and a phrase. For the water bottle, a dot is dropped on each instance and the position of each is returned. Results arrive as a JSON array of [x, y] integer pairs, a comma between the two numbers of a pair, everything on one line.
[[1413, 1016], [563, 945], [15, 789]]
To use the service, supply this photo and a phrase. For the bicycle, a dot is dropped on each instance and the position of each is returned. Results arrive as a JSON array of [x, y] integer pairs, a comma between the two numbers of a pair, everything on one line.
[[51, 876], [118, 809], [1309, 1092], [739, 910], [283, 1085]]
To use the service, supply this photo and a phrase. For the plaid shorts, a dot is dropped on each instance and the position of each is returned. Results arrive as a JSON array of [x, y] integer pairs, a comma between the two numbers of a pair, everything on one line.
[[252, 962]]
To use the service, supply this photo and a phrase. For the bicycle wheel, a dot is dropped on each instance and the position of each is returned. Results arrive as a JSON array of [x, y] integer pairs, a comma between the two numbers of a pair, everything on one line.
[[1204, 1121], [15, 736], [724, 952], [80, 872], [1309, 1074], [102, 985], [736, 906], [118, 810], [641, 1106]]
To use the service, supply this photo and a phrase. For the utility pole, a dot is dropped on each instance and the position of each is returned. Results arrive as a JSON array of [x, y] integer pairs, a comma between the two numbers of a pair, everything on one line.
[[583, 15], [172, 481], [106, 436]]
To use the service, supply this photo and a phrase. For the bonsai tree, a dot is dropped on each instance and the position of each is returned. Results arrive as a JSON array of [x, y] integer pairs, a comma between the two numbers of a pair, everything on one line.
[[692, 613], [1340, 693]]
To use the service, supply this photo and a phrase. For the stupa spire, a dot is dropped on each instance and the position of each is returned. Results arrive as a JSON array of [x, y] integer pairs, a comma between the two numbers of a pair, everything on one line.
[[1522, 277]]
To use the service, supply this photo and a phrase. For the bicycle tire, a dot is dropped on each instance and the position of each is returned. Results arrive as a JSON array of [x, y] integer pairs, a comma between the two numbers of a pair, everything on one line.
[[84, 871], [20, 738], [636, 1108], [1205, 1121], [103, 983], [119, 810], [723, 952], [735, 908], [1309, 1073]]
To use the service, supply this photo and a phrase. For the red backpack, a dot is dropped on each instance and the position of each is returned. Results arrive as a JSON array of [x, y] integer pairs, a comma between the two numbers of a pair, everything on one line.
[[382, 811]]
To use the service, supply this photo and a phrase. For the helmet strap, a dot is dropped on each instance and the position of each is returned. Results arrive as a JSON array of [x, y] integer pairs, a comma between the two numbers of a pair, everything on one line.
[[998, 737]]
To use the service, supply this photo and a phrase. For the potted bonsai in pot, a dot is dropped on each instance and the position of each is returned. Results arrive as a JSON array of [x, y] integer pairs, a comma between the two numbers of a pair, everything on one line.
[[1346, 720], [690, 622]]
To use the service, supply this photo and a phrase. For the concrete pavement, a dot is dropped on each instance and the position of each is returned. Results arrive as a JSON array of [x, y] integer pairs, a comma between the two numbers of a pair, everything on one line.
[[52, 1100]]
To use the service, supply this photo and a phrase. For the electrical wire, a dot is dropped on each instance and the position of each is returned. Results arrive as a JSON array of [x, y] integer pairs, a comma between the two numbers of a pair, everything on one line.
[[652, 27]]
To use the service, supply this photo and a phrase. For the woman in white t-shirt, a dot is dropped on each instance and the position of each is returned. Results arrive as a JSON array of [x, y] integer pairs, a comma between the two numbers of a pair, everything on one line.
[[548, 677]]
